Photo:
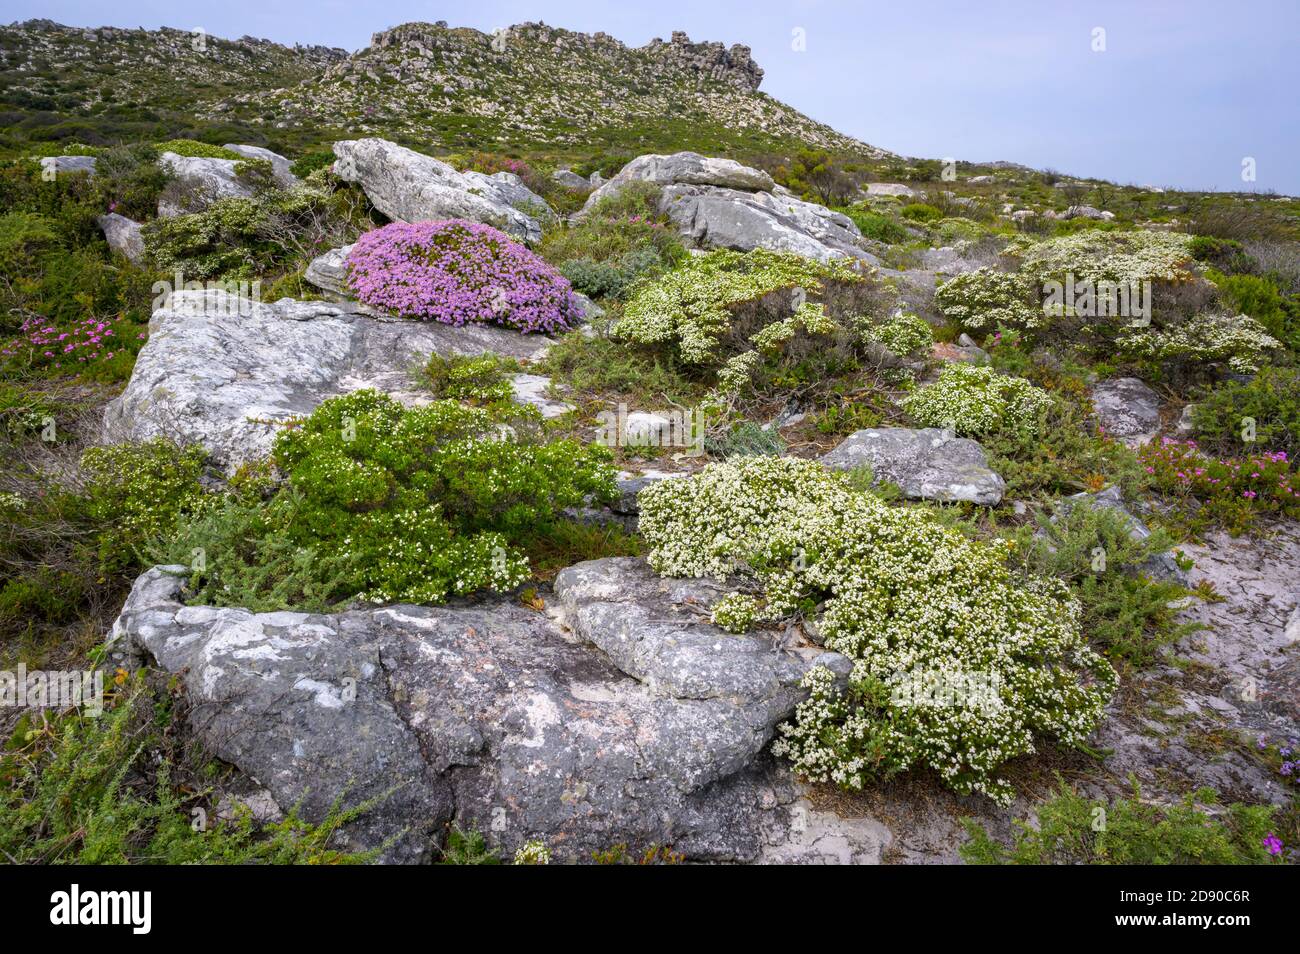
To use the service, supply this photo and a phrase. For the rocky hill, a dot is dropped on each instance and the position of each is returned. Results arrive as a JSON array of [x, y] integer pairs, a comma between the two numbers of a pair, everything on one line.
[[529, 86]]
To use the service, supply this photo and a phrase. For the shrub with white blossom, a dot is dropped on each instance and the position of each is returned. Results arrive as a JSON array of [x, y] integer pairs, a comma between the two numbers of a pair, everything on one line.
[[976, 400], [1240, 342], [912, 604], [904, 334], [986, 299], [1094, 255]]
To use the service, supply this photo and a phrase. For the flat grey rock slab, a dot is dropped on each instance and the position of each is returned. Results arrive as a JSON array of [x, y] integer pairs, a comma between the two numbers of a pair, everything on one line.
[[927, 463]]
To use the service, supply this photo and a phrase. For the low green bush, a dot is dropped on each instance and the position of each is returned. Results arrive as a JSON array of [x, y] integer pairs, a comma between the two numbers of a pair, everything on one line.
[[1127, 614], [191, 148], [1073, 830], [386, 504], [921, 212], [1262, 412], [93, 791]]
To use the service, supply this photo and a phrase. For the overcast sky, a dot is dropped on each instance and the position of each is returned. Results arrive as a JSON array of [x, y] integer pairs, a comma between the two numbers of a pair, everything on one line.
[[1181, 92]]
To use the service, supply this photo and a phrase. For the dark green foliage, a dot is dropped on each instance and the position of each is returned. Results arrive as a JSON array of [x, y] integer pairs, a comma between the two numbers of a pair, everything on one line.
[[137, 491], [623, 238], [482, 380], [1262, 299], [600, 365], [390, 504], [1126, 610], [1266, 407], [1133, 831], [881, 228], [921, 212], [91, 791]]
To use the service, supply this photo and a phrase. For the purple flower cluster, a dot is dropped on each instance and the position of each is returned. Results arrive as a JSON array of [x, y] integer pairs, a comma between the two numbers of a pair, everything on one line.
[[41, 341], [458, 272]]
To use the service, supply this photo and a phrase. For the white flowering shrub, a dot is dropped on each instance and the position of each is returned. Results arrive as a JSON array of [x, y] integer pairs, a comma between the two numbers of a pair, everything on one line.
[[904, 334], [533, 852], [1241, 342], [735, 612], [911, 603], [976, 400], [986, 299], [1097, 255]]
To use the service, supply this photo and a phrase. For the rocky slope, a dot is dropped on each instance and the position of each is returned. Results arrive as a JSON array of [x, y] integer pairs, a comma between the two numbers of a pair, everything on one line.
[[529, 85]]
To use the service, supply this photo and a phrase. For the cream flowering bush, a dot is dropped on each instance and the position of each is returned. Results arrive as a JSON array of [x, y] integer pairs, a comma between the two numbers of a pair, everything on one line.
[[1238, 341], [915, 606], [976, 400], [692, 308], [1097, 255], [904, 334], [986, 299]]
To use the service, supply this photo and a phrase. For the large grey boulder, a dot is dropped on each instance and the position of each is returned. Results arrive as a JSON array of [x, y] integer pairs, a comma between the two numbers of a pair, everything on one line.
[[928, 464], [68, 164], [719, 203], [713, 217], [511, 188], [893, 189], [1126, 409], [221, 371], [280, 166], [571, 180], [199, 181], [682, 168], [123, 235], [411, 187], [625, 719]]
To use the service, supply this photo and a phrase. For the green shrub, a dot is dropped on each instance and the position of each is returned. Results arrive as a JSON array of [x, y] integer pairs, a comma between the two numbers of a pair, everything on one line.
[[921, 212], [309, 162], [917, 607], [137, 492], [1262, 299], [482, 380], [1126, 613], [409, 505], [1072, 830], [975, 400], [622, 225], [599, 365], [1263, 411], [93, 791], [130, 179], [881, 228], [191, 148]]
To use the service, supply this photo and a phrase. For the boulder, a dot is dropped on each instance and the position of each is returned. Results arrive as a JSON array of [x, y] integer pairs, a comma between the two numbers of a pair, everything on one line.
[[411, 187], [200, 181], [928, 464], [69, 164], [329, 272], [1126, 409], [714, 217], [891, 189], [571, 180], [531, 389], [682, 168], [222, 371], [123, 235], [627, 719], [511, 188], [280, 166]]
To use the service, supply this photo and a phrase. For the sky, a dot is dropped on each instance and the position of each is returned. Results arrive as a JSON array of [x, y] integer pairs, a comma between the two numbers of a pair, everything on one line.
[[1183, 93]]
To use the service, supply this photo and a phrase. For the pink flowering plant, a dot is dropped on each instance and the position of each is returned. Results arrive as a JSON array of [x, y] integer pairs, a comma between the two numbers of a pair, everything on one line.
[[1229, 491], [65, 346], [458, 272]]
